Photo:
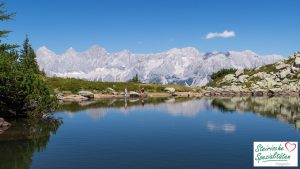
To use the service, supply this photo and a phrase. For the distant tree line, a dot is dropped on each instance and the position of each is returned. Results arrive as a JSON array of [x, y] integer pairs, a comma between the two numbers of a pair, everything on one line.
[[135, 79]]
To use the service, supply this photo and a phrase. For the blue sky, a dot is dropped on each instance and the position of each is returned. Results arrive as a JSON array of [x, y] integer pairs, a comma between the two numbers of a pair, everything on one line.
[[147, 26]]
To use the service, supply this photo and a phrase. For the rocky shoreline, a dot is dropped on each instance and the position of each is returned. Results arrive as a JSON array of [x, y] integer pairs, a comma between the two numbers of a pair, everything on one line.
[[278, 79], [87, 95], [225, 93]]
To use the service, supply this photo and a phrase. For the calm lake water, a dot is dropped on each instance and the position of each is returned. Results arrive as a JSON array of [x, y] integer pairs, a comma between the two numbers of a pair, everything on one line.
[[151, 134]]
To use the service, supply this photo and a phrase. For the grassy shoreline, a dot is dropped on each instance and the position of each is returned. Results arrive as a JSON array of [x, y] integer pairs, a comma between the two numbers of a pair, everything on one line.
[[72, 86]]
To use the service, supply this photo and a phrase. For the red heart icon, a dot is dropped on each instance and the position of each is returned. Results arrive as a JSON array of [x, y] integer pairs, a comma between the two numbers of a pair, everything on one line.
[[290, 146]]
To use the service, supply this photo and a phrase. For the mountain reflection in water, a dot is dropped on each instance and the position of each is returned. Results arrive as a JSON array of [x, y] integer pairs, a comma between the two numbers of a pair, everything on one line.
[[170, 122], [281, 108], [175, 107], [285, 109]]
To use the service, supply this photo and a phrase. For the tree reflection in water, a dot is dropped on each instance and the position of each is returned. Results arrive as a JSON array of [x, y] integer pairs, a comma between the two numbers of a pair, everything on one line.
[[282, 108], [26, 136]]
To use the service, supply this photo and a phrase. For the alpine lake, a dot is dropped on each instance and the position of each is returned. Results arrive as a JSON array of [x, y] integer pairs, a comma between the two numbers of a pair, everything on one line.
[[161, 133]]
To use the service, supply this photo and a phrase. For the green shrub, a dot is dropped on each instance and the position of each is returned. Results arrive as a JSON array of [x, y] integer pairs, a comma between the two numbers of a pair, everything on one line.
[[221, 73]]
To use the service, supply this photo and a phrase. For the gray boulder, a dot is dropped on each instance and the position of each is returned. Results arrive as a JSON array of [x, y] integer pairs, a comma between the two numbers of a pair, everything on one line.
[[275, 90], [239, 72], [261, 75], [169, 89], [112, 91], [243, 78], [4, 125], [86, 94], [60, 96], [295, 69], [285, 81], [232, 88], [229, 78], [285, 73], [297, 61], [281, 65], [134, 94], [289, 88]]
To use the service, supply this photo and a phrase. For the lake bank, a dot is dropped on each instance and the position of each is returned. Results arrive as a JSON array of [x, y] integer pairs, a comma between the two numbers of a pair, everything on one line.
[[80, 98]]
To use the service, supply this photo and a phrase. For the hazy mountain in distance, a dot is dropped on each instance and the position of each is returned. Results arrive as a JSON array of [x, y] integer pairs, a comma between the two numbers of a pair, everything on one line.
[[185, 66]]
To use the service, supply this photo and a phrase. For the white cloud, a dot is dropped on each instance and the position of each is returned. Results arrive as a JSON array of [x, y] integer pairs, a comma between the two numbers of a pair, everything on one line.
[[225, 34]]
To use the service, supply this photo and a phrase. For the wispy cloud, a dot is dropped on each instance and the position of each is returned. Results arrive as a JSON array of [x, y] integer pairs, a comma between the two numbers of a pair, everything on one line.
[[225, 34]]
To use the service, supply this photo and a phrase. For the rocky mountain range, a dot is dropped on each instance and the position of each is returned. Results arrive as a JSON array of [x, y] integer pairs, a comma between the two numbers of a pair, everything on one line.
[[185, 66]]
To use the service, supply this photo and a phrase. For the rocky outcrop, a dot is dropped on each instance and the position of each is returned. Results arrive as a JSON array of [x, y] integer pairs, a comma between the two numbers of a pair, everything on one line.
[[279, 79], [4, 125]]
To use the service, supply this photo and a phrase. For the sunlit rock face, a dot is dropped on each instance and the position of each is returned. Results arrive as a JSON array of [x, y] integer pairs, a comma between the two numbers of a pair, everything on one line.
[[185, 66]]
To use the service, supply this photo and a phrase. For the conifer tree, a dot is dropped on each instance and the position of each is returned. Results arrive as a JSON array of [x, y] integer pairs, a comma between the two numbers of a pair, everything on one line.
[[28, 57], [4, 16]]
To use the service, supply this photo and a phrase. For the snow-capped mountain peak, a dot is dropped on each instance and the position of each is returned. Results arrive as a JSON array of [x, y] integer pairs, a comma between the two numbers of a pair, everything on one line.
[[185, 66], [70, 52]]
